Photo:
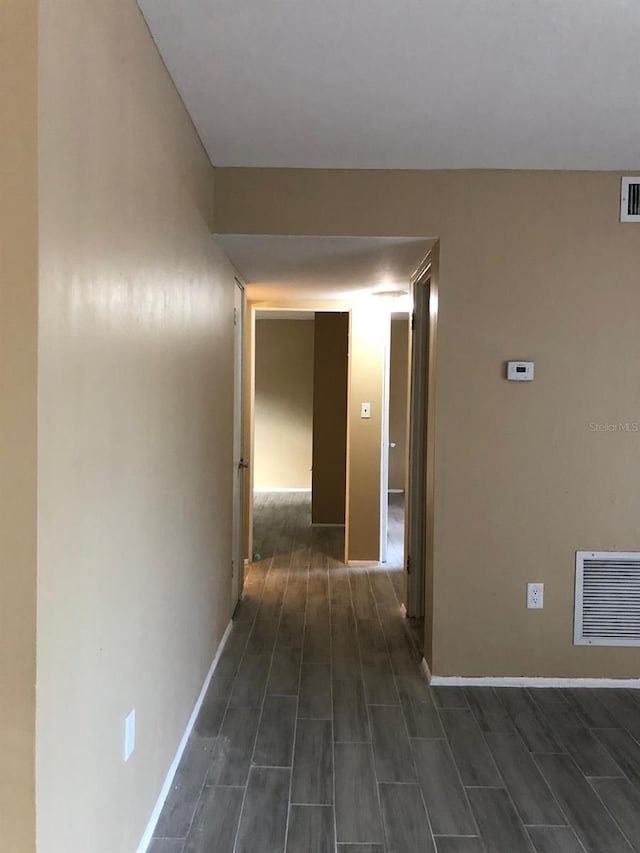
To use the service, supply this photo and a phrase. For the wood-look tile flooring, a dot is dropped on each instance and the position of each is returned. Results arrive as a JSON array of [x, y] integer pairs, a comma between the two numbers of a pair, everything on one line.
[[320, 735]]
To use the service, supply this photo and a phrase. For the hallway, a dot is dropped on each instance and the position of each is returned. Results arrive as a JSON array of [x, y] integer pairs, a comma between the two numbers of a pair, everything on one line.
[[319, 734]]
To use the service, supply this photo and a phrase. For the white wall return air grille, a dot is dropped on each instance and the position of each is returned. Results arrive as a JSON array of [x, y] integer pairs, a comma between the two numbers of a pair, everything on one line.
[[607, 605], [630, 200]]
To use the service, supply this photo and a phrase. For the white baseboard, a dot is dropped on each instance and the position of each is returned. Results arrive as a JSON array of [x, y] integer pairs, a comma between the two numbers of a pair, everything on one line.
[[362, 563], [268, 491], [525, 681], [145, 841]]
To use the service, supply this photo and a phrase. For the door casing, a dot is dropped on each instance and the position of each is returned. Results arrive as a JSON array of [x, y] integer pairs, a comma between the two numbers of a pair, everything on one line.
[[239, 462], [420, 440]]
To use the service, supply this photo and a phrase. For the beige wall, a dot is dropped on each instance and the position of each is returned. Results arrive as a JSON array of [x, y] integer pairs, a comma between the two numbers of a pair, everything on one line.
[[283, 404], [135, 426], [368, 338], [18, 349], [330, 381], [533, 265], [398, 375]]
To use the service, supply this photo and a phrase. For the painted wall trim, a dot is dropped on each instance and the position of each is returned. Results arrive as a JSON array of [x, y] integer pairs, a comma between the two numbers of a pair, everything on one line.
[[268, 491], [363, 563], [145, 841], [426, 671], [526, 681]]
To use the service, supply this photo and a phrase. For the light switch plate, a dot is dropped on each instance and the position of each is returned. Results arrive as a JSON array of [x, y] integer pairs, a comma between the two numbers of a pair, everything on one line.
[[365, 410], [129, 734]]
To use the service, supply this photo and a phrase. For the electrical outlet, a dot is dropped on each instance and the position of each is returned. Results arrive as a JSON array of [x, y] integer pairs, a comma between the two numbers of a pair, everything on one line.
[[129, 734], [365, 410], [535, 596]]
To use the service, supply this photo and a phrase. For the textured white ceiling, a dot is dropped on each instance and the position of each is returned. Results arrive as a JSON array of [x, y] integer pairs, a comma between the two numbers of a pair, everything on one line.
[[418, 84], [278, 267]]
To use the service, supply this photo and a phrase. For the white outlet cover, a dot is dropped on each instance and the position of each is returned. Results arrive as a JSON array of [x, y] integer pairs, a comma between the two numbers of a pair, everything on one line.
[[365, 410], [535, 596], [129, 734]]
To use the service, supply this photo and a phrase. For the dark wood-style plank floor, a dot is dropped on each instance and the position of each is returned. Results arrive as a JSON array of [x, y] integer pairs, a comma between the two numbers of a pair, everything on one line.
[[320, 735]]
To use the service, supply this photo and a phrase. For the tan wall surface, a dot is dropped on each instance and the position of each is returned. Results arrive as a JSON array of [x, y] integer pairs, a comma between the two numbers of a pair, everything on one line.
[[533, 265], [398, 375], [368, 337], [18, 351], [283, 404], [330, 380], [135, 426]]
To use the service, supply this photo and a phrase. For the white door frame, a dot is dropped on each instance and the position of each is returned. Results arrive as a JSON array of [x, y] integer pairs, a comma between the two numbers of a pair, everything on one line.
[[240, 465], [417, 445]]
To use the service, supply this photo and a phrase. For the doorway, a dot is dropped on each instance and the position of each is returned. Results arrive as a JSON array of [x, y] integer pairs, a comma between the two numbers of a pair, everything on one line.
[[291, 272], [283, 419], [421, 448], [395, 439], [299, 445]]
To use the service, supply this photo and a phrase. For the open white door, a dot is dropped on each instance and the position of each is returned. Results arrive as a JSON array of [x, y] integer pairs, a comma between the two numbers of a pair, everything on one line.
[[239, 463]]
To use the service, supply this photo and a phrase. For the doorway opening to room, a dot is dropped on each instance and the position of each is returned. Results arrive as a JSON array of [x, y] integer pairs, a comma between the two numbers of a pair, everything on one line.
[[407, 470], [420, 470], [300, 437], [396, 444], [313, 277]]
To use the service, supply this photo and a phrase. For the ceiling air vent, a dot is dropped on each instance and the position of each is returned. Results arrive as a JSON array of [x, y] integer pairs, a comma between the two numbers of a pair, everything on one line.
[[630, 200], [607, 610]]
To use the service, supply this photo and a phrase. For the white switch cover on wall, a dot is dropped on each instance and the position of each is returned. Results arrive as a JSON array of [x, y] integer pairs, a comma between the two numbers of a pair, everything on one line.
[[129, 734], [535, 596], [365, 410]]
